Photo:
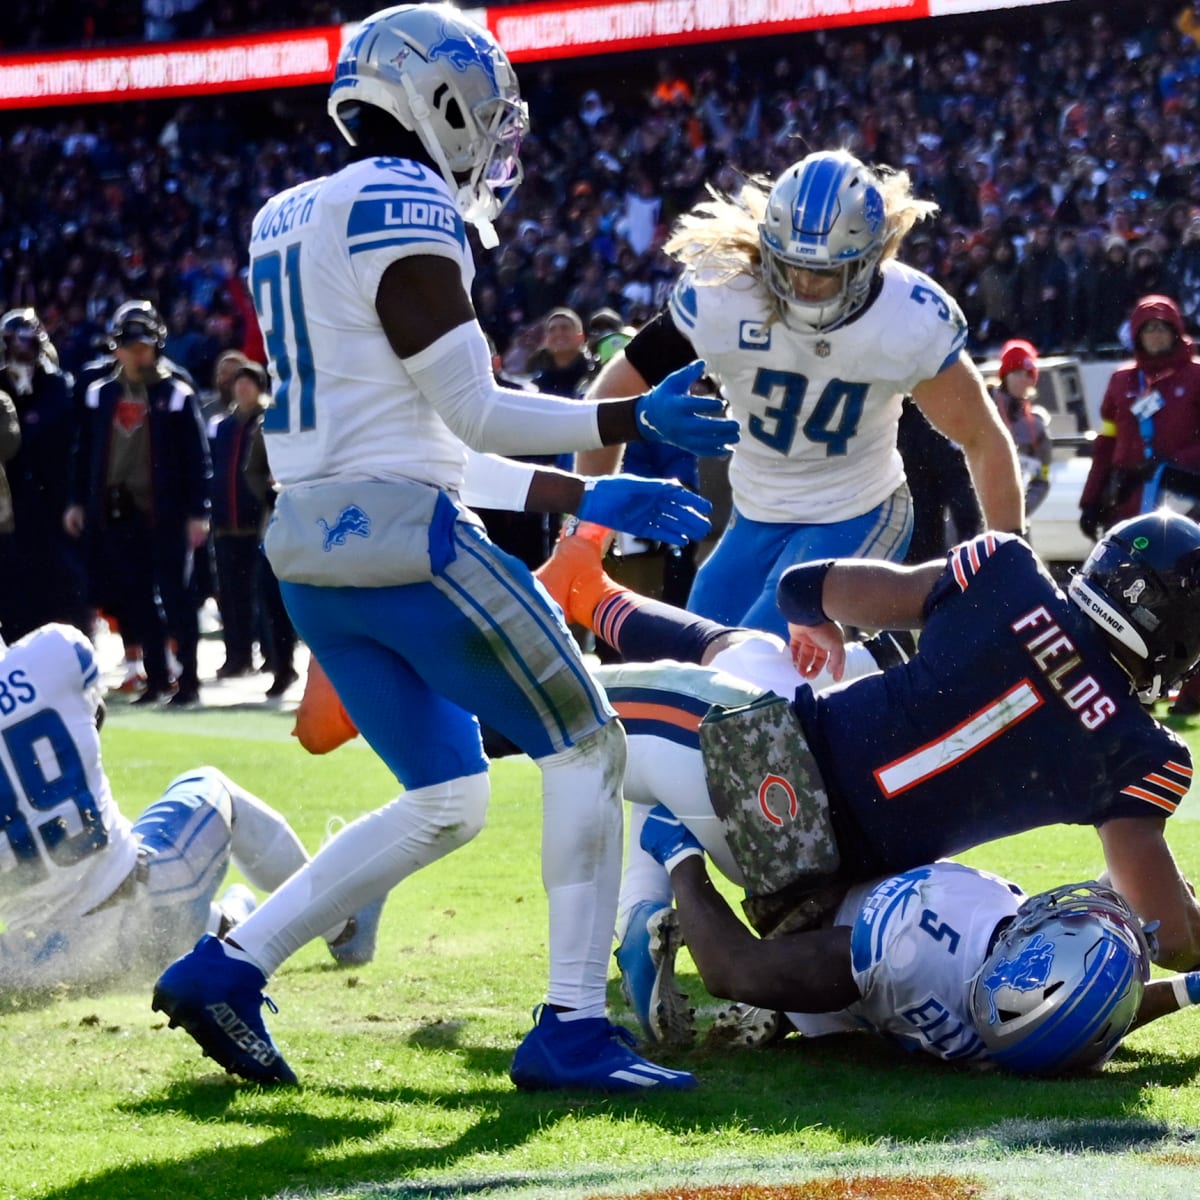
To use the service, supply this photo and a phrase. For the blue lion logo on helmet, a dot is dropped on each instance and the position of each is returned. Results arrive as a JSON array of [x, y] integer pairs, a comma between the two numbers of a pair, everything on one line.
[[1028, 972], [873, 209], [463, 48]]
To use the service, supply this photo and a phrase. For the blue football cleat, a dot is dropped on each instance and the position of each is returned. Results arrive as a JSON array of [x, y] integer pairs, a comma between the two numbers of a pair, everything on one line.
[[355, 945], [667, 839], [646, 957], [216, 999], [591, 1054]]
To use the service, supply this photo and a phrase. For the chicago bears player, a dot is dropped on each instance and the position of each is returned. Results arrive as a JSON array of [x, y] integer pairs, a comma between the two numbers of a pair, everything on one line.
[[382, 378], [815, 333], [85, 896], [943, 958]]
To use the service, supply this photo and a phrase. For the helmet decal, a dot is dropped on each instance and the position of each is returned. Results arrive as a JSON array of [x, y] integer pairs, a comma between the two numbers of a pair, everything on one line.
[[464, 51], [1027, 971], [1133, 592], [873, 210]]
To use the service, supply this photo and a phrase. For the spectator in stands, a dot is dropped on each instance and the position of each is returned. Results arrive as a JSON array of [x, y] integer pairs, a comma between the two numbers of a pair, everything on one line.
[[1028, 423], [237, 518], [1106, 295], [1146, 272], [998, 294], [1183, 275], [185, 343], [279, 644], [1042, 290], [41, 572], [1150, 417], [139, 487], [566, 364]]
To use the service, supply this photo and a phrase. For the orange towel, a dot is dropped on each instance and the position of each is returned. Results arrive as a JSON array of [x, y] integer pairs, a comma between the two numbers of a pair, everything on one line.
[[322, 724]]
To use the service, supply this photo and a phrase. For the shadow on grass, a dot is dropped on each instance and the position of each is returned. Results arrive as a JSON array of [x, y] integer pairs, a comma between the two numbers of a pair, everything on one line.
[[854, 1086]]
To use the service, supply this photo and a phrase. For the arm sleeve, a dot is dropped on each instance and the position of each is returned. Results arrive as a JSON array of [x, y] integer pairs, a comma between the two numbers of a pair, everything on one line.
[[659, 348], [494, 482], [454, 374]]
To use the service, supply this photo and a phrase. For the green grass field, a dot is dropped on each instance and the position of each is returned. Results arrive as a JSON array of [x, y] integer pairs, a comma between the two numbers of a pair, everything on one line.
[[403, 1063]]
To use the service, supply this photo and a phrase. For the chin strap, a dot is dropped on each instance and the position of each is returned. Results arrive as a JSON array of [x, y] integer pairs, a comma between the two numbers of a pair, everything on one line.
[[466, 201], [1153, 692]]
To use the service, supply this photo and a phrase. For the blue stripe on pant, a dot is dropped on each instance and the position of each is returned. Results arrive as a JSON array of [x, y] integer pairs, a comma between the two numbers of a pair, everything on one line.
[[186, 835], [413, 663]]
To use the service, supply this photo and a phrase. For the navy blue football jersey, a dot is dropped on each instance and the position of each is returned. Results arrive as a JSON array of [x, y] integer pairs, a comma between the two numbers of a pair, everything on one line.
[[1012, 715]]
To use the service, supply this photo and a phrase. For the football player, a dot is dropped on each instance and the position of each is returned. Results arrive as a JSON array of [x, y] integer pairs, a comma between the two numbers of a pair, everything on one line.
[[815, 332], [944, 959], [382, 378], [86, 897]]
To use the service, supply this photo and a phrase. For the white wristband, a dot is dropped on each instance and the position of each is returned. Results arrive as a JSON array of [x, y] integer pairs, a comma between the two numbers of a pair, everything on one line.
[[676, 859], [1186, 989]]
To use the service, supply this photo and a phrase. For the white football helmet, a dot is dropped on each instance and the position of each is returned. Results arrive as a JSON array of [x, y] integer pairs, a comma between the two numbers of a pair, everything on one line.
[[446, 79], [1062, 985], [822, 238]]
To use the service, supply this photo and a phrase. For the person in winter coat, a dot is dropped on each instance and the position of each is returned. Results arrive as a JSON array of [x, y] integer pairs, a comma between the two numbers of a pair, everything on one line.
[[1027, 422]]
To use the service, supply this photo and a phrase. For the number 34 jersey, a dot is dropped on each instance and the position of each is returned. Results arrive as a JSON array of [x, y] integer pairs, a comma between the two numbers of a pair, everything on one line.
[[818, 411], [917, 941], [65, 846], [344, 405]]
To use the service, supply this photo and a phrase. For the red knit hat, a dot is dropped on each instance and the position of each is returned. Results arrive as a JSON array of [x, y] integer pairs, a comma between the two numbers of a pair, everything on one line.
[[1018, 356]]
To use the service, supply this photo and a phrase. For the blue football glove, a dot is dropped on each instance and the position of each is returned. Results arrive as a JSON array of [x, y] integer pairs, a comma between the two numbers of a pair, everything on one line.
[[667, 839], [659, 509], [667, 413]]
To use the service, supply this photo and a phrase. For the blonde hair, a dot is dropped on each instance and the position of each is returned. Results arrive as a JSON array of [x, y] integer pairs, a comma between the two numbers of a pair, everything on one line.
[[720, 235]]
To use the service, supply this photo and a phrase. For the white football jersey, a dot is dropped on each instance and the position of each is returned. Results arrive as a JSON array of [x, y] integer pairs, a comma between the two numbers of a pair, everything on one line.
[[917, 941], [818, 411], [64, 845], [345, 407]]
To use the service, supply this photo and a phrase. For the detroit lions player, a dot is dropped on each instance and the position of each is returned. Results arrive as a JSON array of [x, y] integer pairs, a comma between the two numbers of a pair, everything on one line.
[[944, 959], [381, 374], [815, 332], [85, 896]]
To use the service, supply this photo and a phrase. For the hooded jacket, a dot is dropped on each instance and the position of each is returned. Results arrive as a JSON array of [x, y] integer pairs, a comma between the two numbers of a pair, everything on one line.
[[1122, 459]]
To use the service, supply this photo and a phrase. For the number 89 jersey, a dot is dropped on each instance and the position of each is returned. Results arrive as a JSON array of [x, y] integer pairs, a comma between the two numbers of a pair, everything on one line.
[[818, 412], [917, 940], [64, 845]]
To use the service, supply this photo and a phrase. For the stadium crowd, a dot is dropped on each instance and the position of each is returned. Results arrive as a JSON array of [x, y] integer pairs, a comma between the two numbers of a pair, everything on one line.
[[1062, 146], [1065, 165]]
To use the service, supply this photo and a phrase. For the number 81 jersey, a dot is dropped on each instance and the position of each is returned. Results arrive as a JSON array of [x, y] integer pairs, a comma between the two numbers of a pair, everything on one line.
[[818, 411], [344, 404], [64, 845]]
